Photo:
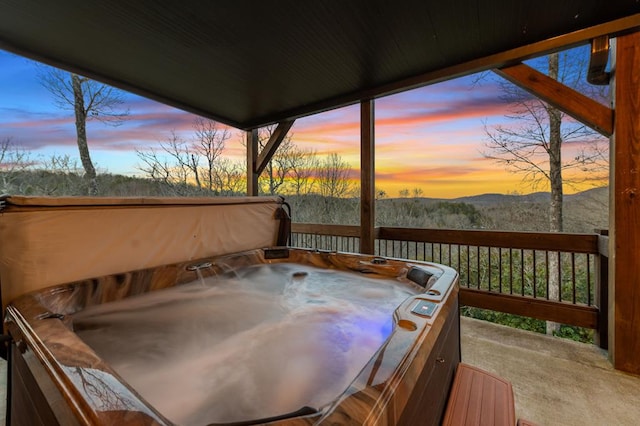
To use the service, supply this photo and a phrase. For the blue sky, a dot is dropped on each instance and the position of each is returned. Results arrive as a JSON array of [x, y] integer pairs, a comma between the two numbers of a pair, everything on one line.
[[430, 138]]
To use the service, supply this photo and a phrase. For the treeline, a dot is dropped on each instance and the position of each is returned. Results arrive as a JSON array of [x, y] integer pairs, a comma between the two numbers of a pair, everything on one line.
[[320, 189], [197, 165], [585, 212]]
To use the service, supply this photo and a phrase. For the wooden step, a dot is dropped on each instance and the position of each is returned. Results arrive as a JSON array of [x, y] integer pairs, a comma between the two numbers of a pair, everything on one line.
[[479, 398]]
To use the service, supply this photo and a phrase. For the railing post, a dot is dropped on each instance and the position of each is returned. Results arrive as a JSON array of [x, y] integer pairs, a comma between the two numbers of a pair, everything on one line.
[[601, 337], [252, 162], [367, 177]]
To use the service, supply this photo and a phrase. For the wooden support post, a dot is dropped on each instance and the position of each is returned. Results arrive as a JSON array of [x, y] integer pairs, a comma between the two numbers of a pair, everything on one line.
[[252, 162], [367, 177], [624, 216]]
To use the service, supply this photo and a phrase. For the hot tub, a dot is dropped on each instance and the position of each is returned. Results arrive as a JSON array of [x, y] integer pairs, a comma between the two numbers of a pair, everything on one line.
[[279, 335]]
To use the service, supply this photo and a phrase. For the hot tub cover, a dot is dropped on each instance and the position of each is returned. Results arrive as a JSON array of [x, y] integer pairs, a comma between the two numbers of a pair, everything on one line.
[[48, 241]]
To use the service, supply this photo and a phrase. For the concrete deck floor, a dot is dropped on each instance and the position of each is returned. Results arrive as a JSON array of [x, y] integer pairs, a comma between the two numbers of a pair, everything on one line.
[[556, 382]]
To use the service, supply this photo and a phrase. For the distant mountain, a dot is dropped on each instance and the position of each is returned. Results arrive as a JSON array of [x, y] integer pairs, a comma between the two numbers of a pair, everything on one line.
[[534, 197], [600, 193], [487, 199]]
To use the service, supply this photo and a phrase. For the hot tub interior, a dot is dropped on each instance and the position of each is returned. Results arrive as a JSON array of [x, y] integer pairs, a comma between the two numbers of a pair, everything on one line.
[[255, 342]]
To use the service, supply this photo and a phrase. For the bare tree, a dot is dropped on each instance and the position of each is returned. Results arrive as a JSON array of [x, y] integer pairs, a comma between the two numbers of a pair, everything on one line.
[[58, 175], [20, 173], [229, 177], [304, 164], [193, 166], [169, 164], [89, 100], [209, 142], [533, 147], [290, 170], [13, 161], [333, 177]]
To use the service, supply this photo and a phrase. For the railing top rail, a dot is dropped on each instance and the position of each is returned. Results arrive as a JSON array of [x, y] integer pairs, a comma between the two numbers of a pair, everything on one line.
[[566, 242], [563, 241], [326, 229]]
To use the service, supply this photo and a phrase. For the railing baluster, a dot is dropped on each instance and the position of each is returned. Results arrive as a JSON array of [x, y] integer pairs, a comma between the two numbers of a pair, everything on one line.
[[510, 271], [573, 277], [489, 268], [546, 259], [468, 265], [522, 271], [559, 276], [478, 266], [500, 269], [535, 274], [589, 257]]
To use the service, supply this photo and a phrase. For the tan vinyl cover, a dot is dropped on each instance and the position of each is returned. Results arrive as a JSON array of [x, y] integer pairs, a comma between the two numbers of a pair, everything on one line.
[[48, 241]]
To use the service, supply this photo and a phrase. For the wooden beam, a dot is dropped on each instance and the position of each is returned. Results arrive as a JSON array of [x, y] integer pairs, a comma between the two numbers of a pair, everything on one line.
[[252, 158], [565, 313], [577, 105], [367, 177], [624, 238], [272, 145]]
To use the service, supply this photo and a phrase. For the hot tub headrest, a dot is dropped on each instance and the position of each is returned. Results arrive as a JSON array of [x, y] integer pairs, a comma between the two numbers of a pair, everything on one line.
[[48, 241]]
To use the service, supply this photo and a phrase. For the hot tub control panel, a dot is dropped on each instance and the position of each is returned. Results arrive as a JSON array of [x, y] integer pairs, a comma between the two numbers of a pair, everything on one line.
[[424, 308]]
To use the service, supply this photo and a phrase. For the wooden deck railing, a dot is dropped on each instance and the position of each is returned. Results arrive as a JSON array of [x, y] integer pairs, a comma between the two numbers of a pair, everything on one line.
[[512, 272]]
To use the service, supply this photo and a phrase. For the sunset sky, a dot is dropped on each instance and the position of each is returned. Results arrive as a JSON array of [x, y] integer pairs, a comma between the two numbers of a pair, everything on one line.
[[430, 138]]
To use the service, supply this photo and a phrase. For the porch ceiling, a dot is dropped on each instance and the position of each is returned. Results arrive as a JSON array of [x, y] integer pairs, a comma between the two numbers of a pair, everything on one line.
[[249, 63]]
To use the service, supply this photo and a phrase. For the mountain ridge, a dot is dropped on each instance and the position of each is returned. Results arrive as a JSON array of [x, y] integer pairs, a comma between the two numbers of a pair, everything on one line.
[[496, 198]]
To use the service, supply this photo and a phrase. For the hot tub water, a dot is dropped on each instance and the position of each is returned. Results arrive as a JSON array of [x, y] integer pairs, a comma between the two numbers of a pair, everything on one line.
[[256, 342]]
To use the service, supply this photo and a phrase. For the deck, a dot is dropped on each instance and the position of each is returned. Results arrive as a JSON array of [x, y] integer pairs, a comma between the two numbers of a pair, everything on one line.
[[556, 381]]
